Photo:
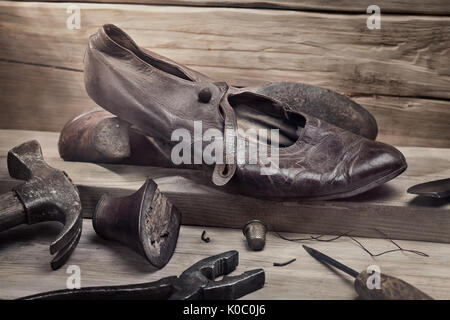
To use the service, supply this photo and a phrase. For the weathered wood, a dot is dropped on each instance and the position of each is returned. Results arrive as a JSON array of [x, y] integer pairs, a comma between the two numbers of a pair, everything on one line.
[[439, 7], [409, 121], [42, 98], [408, 56], [24, 260], [387, 208]]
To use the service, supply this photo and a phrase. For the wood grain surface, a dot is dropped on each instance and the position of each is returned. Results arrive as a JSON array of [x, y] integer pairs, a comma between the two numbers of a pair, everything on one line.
[[387, 208], [408, 56], [436, 7], [44, 98], [25, 270]]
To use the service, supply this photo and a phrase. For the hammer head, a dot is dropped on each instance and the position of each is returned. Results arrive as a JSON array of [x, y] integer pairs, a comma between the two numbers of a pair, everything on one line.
[[47, 195]]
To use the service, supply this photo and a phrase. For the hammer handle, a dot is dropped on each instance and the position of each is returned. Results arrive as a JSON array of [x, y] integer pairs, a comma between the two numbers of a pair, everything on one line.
[[12, 212]]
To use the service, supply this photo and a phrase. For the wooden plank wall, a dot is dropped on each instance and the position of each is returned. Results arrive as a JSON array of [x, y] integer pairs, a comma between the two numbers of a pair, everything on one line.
[[400, 73], [433, 7]]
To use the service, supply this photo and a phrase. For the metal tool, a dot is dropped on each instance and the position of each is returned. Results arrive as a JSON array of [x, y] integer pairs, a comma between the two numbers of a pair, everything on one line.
[[195, 283], [435, 189], [255, 233], [145, 221], [47, 195], [391, 288]]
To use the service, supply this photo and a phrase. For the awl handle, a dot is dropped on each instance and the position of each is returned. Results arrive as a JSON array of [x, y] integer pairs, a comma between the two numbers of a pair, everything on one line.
[[391, 288]]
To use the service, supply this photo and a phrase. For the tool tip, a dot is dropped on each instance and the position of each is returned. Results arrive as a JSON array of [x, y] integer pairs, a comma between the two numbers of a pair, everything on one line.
[[310, 250]]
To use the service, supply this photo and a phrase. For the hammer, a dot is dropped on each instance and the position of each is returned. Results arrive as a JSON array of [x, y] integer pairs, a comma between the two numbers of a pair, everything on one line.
[[47, 194]]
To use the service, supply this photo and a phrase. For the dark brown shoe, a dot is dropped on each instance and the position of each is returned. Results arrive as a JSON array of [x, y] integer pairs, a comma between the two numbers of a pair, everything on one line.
[[323, 104], [316, 160]]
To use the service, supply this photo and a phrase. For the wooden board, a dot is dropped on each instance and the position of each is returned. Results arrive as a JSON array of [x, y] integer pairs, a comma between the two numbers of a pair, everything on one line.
[[43, 98], [408, 56], [437, 7], [387, 208], [25, 270]]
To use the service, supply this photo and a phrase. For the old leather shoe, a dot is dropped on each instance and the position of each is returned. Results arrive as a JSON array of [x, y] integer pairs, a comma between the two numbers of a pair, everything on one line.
[[315, 160]]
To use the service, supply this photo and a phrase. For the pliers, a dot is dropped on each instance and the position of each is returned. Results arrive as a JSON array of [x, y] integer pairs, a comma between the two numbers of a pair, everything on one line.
[[195, 283]]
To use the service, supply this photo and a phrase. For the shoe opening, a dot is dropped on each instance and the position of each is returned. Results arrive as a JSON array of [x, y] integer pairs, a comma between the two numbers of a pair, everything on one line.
[[124, 40], [258, 112]]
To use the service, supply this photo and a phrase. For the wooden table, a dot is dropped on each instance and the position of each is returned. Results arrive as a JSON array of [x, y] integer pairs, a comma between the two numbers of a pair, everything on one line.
[[24, 256], [24, 263]]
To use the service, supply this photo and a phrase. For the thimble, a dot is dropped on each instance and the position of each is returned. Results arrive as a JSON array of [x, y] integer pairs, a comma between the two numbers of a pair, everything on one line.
[[255, 233]]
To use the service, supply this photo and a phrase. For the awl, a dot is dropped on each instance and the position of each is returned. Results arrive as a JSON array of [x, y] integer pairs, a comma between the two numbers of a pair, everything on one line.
[[390, 288]]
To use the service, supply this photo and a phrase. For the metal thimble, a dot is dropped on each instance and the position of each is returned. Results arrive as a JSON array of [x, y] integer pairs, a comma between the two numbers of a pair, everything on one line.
[[255, 233]]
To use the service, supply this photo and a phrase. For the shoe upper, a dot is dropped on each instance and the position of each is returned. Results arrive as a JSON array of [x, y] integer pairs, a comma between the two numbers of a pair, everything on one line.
[[145, 89], [326, 162]]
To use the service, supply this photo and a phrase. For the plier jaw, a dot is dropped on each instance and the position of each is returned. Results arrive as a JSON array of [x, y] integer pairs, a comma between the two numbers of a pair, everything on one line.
[[198, 281]]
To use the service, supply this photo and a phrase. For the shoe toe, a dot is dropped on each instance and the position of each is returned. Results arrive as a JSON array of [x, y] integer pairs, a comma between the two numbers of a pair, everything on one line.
[[376, 163]]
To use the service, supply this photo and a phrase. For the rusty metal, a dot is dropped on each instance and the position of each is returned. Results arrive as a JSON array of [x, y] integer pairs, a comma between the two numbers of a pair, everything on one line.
[[47, 195], [255, 233], [145, 221], [283, 264], [195, 283], [204, 237]]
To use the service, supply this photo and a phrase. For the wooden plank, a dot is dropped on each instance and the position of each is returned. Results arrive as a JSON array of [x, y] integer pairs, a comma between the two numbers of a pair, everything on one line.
[[42, 98], [387, 208], [408, 56], [410, 122], [24, 258], [438, 7]]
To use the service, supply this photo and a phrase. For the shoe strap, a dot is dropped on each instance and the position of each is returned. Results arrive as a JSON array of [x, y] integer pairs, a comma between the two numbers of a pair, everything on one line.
[[223, 172]]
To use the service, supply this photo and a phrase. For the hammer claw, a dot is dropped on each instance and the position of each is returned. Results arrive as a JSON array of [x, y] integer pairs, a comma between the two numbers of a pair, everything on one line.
[[66, 235], [65, 252]]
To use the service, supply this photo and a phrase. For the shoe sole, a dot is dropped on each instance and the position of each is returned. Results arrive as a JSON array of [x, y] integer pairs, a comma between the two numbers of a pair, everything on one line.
[[357, 191]]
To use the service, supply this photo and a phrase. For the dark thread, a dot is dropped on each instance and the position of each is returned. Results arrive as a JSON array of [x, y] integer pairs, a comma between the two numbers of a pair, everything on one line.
[[420, 253], [282, 264], [205, 239], [347, 234]]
